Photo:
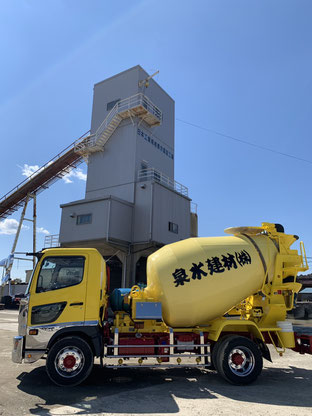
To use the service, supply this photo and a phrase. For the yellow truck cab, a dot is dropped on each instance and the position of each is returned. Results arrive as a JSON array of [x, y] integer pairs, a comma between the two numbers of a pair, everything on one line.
[[211, 302], [64, 305]]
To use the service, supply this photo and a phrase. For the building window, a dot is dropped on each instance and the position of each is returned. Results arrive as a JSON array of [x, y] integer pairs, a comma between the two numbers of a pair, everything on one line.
[[111, 104], [84, 219], [174, 228]]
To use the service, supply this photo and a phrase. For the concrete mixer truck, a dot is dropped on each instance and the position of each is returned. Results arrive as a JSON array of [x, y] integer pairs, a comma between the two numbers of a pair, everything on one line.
[[211, 302]]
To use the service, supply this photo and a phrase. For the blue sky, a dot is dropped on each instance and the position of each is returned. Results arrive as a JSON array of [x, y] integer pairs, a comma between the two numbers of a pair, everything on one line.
[[242, 68]]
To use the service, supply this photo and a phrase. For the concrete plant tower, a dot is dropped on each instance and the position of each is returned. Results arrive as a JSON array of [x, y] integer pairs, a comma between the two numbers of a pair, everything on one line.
[[132, 204]]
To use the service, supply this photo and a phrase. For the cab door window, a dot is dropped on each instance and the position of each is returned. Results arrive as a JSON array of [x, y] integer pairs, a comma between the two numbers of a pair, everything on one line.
[[59, 272]]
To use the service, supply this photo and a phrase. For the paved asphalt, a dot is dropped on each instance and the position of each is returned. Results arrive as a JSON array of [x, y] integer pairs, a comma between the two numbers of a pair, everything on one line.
[[284, 388]]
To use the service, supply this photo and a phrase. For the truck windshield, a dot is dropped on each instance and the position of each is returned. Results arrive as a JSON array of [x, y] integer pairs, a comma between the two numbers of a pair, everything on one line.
[[60, 272]]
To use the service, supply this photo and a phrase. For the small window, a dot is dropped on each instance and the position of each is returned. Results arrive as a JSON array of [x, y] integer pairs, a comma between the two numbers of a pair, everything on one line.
[[174, 228], [60, 272], [84, 219], [111, 104]]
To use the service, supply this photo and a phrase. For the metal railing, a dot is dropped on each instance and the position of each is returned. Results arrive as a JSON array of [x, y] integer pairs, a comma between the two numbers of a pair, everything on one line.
[[128, 104], [89, 141], [114, 117], [152, 174], [51, 240]]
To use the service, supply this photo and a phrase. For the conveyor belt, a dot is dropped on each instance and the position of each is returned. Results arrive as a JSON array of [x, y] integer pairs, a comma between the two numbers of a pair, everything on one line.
[[137, 105], [47, 174]]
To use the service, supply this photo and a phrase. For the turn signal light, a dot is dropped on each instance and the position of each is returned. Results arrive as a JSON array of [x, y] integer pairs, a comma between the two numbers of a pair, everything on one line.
[[33, 332]]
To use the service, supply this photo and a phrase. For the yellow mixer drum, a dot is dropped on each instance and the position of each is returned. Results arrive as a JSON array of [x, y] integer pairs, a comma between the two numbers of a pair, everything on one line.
[[200, 279]]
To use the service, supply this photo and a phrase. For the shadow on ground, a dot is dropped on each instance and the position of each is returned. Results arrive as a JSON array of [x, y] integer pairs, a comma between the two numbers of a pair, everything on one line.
[[275, 386]]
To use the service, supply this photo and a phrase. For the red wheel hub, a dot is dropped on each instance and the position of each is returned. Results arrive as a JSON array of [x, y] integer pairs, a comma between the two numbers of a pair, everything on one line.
[[237, 359], [69, 361]]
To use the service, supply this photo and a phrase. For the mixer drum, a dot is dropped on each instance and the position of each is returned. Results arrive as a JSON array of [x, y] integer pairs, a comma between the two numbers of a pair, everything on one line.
[[200, 279]]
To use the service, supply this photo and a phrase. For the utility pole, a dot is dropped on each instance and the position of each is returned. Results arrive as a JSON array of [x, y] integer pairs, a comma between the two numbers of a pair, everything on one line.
[[34, 196]]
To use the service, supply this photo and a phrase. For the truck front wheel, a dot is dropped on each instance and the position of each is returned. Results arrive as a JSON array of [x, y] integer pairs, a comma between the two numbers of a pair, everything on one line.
[[239, 360], [69, 361]]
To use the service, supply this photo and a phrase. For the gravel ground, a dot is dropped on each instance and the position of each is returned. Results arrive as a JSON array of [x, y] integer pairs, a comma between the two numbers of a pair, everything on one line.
[[284, 388]]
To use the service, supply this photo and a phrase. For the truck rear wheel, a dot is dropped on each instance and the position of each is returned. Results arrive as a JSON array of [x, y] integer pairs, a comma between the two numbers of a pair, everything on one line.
[[69, 361], [239, 360], [215, 350]]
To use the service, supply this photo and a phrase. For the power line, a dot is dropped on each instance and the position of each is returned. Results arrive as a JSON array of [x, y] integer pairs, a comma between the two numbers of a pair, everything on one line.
[[258, 146]]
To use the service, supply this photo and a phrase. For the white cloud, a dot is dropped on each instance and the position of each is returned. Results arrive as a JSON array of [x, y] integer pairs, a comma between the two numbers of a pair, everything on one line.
[[28, 170], [42, 230], [9, 226], [75, 173]]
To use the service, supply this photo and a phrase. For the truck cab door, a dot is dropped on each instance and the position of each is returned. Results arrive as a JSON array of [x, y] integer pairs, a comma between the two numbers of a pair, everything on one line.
[[58, 291]]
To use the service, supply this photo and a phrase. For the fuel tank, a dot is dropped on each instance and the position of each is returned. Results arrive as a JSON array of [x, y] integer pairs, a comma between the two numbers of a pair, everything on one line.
[[200, 279]]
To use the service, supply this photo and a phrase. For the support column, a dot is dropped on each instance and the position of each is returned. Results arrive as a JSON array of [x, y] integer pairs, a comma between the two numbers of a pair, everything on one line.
[[34, 196], [8, 271], [20, 225], [134, 259], [123, 258]]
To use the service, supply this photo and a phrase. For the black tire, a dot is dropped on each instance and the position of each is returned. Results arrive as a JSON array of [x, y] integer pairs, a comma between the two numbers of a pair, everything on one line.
[[7, 300], [239, 360], [299, 312], [69, 361], [215, 350]]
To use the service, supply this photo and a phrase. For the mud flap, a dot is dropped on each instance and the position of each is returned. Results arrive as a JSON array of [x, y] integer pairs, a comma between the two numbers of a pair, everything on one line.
[[264, 350]]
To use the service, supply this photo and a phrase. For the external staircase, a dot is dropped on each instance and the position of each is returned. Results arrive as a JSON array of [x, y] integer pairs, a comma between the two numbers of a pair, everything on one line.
[[137, 105]]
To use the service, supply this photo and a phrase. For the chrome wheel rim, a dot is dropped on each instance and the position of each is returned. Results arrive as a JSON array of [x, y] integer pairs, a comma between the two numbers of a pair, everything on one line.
[[69, 361], [241, 361]]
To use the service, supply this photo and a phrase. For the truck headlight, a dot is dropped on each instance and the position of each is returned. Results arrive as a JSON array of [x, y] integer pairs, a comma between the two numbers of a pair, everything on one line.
[[45, 314]]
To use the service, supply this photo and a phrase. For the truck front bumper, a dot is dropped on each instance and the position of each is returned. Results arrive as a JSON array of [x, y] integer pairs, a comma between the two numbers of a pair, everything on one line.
[[17, 352]]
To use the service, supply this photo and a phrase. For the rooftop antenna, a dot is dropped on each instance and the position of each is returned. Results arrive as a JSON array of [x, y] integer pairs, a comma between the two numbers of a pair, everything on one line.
[[145, 81]]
